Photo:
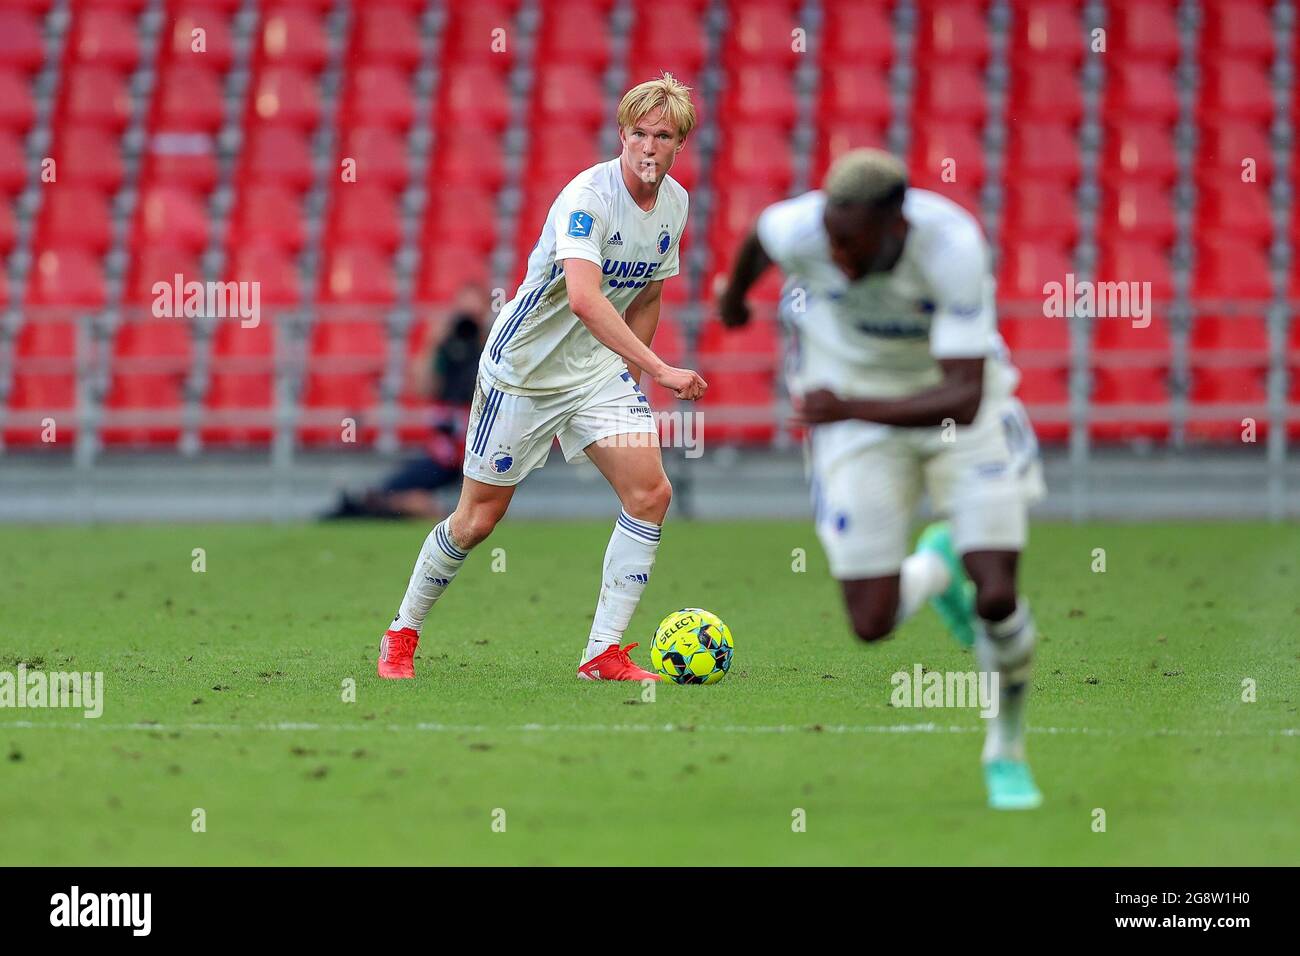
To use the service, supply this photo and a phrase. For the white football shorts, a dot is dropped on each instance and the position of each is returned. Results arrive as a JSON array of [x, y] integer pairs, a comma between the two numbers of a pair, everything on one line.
[[866, 483], [509, 434]]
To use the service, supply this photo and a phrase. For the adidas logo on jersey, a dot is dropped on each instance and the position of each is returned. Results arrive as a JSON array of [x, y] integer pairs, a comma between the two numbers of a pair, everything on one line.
[[614, 240]]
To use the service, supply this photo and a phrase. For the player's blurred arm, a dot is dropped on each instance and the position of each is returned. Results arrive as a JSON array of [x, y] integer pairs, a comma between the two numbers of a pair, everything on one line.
[[751, 262], [956, 398], [643, 318], [600, 317]]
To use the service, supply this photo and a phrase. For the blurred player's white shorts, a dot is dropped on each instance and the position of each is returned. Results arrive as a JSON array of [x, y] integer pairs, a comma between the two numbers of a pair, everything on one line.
[[867, 480], [509, 435]]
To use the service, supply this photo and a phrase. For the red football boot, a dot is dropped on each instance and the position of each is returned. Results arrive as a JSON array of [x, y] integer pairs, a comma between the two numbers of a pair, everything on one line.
[[613, 663], [397, 653]]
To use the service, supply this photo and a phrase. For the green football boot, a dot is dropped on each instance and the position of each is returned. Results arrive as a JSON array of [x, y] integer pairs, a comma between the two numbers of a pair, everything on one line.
[[1011, 785], [956, 605]]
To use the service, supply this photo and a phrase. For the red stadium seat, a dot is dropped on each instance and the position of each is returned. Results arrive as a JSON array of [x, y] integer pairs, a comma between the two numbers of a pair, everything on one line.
[[1046, 30], [143, 410], [467, 219], [217, 51], [1037, 340], [738, 208], [951, 33], [8, 235], [1221, 399], [1047, 151], [480, 34], [96, 95], [1234, 29], [669, 36], [472, 156], [104, 37], [293, 37], [1232, 340], [282, 96], [756, 154], [337, 406], [760, 35], [1145, 29], [1025, 268], [474, 95], [1137, 210], [153, 264], [1046, 394], [37, 399], [17, 108], [189, 98], [21, 45], [1045, 92], [1142, 90], [1129, 404], [67, 276], [181, 158], [1231, 268], [763, 93], [348, 345], [271, 267], [378, 95], [168, 214], [1041, 210], [740, 367], [858, 33], [1231, 149], [13, 164], [237, 347], [1118, 342], [570, 95], [837, 137], [379, 154], [88, 156], [268, 215], [856, 94], [387, 34], [445, 269], [76, 216], [153, 346], [358, 275], [947, 153], [953, 92], [239, 409], [1131, 260], [1236, 208], [364, 214], [278, 154], [1239, 89], [46, 345], [575, 34], [1139, 150]]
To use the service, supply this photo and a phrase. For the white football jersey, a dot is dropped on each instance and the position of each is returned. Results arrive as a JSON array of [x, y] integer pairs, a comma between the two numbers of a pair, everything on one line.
[[537, 345], [881, 336]]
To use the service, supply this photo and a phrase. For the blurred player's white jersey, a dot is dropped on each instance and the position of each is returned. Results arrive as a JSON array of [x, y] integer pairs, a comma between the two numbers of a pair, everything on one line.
[[881, 337], [537, 345]]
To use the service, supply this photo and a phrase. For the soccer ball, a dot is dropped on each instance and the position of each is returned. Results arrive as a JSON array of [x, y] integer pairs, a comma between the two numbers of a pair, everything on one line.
[[692, 646]]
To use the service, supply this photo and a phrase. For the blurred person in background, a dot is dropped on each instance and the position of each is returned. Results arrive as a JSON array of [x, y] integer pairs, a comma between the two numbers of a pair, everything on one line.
[[444, 371]]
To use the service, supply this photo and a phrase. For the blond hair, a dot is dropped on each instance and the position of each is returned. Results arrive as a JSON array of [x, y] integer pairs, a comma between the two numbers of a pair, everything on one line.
[[667, 93], [865, 177]]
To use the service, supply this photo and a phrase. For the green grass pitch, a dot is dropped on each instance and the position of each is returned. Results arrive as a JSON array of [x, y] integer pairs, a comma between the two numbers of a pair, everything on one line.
[[224, 692]]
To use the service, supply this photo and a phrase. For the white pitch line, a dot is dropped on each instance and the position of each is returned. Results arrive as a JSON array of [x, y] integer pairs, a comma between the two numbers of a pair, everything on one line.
[[928, 728]]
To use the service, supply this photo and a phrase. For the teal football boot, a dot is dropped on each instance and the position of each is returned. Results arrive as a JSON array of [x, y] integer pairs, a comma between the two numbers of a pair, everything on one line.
[[1011, 785], [956, 605]]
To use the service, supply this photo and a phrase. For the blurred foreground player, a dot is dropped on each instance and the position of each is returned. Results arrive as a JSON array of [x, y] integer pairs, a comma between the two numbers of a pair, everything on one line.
[[897, 367], [564, 358]]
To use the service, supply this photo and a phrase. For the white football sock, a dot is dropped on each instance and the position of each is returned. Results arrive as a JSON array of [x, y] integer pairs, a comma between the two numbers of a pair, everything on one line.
[[1007, 648], [924, 575], [628, 562], [439, 560]]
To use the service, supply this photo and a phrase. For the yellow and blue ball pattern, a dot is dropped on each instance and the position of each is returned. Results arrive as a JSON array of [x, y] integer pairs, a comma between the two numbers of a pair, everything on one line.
[[692, 646]]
